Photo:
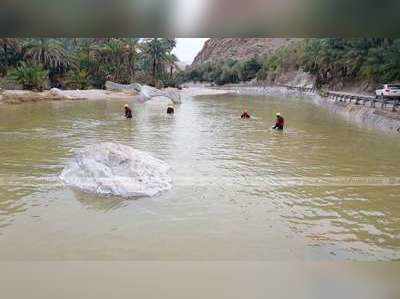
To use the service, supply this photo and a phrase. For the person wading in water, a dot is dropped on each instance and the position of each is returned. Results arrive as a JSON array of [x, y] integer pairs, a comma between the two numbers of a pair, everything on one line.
[[128, 111], [280, 122], [245, 115], [170, 110]]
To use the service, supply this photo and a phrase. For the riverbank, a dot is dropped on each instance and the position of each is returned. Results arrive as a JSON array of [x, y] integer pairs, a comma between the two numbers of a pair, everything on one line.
[[26, 96]]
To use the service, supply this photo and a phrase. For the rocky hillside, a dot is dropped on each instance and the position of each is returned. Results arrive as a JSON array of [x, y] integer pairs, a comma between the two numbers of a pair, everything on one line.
[[239, 48]]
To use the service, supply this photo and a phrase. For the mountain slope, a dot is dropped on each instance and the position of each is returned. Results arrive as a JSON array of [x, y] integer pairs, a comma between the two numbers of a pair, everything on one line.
[[239, 48]]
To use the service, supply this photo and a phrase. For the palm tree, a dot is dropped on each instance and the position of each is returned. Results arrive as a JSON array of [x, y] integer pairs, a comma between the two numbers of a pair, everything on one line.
[[171, 61], [47, 52], [8, 47], [156, 52], [109, 58], [131, 54]]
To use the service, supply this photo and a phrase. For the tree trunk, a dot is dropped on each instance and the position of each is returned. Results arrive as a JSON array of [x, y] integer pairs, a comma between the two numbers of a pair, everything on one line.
[[5, 54], [154, 72]]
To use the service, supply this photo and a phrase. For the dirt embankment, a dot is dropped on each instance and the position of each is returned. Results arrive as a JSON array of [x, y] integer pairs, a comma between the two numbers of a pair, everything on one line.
[[24, 96]]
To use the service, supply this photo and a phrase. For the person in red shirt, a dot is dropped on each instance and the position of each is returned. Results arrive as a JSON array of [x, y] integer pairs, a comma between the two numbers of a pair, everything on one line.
[[280, 122]]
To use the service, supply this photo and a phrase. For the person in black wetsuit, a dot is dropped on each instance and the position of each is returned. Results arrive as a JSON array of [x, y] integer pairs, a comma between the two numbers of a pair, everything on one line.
[[245, 115], [128, 111], [170, 110]]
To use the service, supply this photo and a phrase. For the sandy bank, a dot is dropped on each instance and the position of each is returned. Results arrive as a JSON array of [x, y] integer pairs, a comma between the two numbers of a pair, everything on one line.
[[24, 96]]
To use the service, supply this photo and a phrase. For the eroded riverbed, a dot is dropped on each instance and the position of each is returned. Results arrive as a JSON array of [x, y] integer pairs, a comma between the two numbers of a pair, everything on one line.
[[241, 191]]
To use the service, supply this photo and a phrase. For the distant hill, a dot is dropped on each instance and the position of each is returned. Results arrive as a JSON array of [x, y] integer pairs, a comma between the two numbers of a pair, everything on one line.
[[221, 49]]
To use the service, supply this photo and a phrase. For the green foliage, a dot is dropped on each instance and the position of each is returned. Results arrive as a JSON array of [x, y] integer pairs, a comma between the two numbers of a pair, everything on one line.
[[77, 79], [249, 69], [372, 59], [31, 77], [49, 53], [85, 62], [157, 57], [221, 73], [331, 60], [283, 60], [10, 54]]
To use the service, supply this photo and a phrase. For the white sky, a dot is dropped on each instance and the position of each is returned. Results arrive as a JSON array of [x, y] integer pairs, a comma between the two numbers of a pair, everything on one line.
[[187, 48]]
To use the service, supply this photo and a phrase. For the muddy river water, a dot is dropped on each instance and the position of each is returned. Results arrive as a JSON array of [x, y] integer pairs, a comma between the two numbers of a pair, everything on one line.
[[324, 189]]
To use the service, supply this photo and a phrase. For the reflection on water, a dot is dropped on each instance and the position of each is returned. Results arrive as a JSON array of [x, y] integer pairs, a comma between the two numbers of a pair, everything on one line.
[[102, 204], [231, 198]]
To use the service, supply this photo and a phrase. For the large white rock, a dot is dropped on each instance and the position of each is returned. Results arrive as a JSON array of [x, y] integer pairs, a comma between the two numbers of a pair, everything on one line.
[[146, 92], [115, 169]]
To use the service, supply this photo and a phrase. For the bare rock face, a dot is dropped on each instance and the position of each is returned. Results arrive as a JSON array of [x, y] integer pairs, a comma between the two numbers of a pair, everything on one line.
[[115, 169], [221, 49]]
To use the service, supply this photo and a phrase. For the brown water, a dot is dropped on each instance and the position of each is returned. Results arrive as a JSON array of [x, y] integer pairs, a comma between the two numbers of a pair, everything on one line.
[[237, 184]]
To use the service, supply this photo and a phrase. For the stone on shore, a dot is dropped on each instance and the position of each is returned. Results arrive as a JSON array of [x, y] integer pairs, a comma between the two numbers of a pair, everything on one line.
[[115, 169]]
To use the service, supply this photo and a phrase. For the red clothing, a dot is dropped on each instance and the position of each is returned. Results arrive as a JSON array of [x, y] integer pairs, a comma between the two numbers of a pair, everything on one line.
[[280, 122]]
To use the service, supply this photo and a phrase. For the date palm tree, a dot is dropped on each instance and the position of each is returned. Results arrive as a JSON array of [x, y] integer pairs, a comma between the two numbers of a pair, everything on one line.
[[131, 54], [108, 59], [156, 53], [49, 53], [8, 48]]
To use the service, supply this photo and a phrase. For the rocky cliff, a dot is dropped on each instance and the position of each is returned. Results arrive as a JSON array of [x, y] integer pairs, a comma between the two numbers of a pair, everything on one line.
[[239, 48]]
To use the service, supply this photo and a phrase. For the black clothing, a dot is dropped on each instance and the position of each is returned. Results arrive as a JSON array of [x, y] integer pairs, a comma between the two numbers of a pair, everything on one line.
[[245, 115], [128, 112]]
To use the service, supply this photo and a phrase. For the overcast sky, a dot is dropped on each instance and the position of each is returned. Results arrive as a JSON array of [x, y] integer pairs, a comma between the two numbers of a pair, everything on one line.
[[187, 48]]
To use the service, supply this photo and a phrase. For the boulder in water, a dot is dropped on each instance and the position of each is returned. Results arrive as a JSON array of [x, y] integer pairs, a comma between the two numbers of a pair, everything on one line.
[[115, 169]]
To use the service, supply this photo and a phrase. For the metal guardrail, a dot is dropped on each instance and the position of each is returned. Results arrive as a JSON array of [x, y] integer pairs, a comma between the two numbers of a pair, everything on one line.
[[349, 97]]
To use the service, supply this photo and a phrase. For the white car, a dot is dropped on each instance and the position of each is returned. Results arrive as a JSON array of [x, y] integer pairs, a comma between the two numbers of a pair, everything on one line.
[[388, 90]]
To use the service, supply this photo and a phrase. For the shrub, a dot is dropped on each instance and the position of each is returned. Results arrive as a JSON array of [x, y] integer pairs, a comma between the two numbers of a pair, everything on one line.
[[77, 79], [31, 77], [248, 69]]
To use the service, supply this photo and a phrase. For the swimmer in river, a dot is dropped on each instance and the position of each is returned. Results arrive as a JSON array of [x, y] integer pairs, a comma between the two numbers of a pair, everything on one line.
[[128, 111], [280, 122], [245, 115]]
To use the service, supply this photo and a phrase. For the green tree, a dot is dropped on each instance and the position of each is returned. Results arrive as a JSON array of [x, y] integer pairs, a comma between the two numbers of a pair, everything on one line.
[[10, 51], [156, 56], [49, 53]]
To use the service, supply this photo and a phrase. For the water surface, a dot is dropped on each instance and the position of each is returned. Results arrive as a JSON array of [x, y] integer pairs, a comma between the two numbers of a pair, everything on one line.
[[237, 184]]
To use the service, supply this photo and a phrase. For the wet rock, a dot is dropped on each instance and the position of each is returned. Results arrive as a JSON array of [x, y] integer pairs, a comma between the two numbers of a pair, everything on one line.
[[115, 169]]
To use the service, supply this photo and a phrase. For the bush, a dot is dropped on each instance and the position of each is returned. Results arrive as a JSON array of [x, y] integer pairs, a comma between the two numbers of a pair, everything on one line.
[[31, 77], [249, 69], [77, 80]]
